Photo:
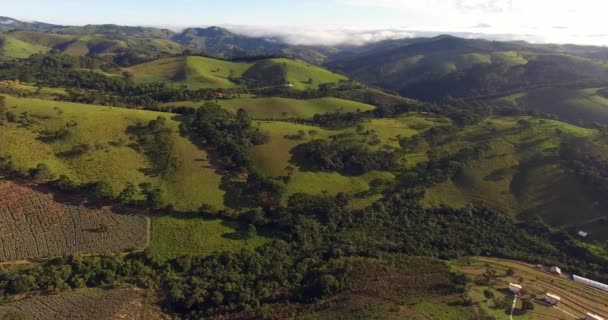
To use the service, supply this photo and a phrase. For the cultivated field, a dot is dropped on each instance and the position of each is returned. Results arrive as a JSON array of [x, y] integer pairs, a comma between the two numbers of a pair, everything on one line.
[[415, 290], [85, 304], [34, 225], [577, 299], [280, 108]]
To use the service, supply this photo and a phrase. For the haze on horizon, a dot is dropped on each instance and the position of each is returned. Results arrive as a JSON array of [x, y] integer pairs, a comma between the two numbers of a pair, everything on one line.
[[334, 22]]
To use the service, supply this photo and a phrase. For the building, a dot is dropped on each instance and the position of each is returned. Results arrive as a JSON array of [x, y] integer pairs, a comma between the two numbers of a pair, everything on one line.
[[552, 299], [218, 95], [591, 316], [556, 270], [515, 288], [583, 234], [4, 84], [591, 283]]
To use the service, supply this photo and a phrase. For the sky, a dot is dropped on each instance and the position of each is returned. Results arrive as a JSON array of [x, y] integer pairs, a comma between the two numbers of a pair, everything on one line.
[[341, 21]]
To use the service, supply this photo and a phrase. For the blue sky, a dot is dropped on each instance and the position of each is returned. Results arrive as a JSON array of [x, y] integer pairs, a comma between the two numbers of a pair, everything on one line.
[[308, 21]]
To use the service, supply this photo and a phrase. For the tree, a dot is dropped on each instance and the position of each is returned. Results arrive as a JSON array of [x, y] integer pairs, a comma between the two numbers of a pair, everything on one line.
[[251, 232], [2, 108], [42, 173], [101, 190], [489, 294], [510, 272], [128, 76], [527, 305]]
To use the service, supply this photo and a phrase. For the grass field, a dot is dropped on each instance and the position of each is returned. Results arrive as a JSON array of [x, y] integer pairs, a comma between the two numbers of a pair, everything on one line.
[[186, 234], [299, 73], [204, 72], [190, 184], [278, 108], [575, 106], [577, 299], [15, 48], [201, 72], [273, 158], [520, 174]]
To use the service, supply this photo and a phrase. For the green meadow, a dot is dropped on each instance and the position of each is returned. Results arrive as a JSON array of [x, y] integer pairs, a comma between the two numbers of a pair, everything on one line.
[[189, 184], [279, 108], [183, 234]]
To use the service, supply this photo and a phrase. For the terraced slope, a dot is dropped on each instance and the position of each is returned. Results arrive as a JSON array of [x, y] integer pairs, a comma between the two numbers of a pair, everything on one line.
[[127, 304], [33, 224]]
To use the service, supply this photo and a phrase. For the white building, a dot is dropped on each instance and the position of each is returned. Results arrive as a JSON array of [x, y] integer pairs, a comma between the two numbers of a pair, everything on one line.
[[583, 234], [556, 270], [591, 283], [591, 316], [515, 288], [552, 299]]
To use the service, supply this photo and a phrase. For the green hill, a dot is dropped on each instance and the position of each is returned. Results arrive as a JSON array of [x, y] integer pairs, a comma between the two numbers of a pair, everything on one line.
[[577, 106], [201, 72], [448, 67], [195, 72], [273, 158], [300, 74], [108, 153], [521, 173], [12, 47], [278, 108]]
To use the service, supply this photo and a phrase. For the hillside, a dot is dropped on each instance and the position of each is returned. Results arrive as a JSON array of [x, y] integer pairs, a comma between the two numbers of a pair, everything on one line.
[[281, 108], [585, 107], [201, 72], [96, 146]]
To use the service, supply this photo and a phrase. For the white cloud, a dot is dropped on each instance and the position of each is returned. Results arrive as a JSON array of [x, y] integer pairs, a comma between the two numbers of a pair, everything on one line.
[[318, 36]]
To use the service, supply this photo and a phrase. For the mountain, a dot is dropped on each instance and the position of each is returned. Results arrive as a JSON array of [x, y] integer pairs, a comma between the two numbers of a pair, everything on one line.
[[7, 24]]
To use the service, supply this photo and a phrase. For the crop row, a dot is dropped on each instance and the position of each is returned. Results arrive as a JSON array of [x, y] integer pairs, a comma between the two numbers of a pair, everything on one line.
[[34, 225]]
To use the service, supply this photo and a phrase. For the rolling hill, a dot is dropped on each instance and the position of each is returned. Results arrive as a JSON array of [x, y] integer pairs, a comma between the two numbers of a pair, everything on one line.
[[108, 154], [281, 108], [201, 72]]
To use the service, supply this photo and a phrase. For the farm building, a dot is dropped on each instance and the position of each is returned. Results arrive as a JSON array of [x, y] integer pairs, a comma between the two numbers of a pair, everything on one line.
[[552, 299], [591, 283], [556, 270], [515, 288], [591, 316], [583, 234]]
